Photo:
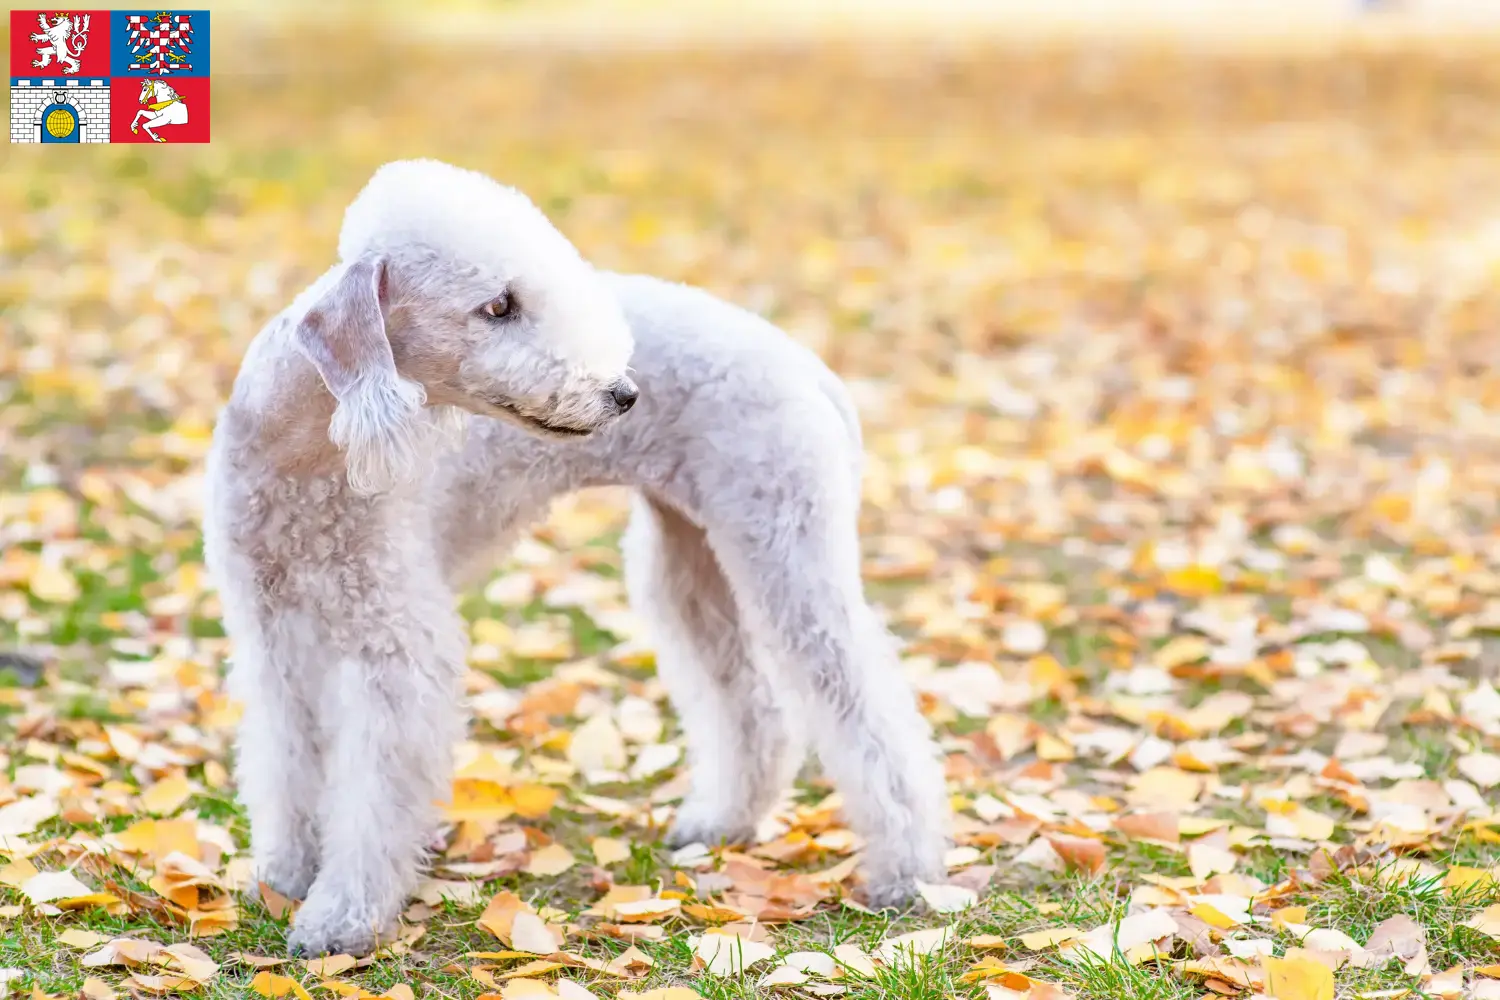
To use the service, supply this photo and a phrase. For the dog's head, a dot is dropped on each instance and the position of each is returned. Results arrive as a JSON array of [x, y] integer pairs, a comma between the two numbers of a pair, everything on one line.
[[456, 291]]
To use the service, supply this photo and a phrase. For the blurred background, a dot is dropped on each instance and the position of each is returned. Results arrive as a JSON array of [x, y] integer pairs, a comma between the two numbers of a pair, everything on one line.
[[1035, 235]]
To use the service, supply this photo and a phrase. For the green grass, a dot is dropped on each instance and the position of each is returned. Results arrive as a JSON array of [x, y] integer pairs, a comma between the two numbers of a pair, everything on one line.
[[1021, 901]]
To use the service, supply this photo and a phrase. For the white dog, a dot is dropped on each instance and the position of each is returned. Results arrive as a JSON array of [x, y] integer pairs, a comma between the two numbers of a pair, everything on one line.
[[343, 514]]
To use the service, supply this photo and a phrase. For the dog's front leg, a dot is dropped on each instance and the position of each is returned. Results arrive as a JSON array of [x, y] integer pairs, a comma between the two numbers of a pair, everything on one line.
[[277, 765], [392, 721]]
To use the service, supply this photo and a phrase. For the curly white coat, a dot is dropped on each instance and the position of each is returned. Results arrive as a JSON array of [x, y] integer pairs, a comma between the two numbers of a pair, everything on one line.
[[344, 513]]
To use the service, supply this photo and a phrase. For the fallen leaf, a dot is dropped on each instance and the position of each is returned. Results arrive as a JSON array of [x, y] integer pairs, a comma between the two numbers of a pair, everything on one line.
[[1206, 859], [729, 954], [904, 947], [529, 933], [46, 887], [329, 965], [1049, 938], [1082, 853], [548, 861], [77, 937], [166, 796], [268, 984], [1123, 936], [1486, 921], [608, 851], [947, 898], [97, 989], [1297, 978]]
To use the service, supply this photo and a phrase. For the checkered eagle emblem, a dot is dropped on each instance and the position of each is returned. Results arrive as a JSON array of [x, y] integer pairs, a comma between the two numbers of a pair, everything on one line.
[[160, 43]]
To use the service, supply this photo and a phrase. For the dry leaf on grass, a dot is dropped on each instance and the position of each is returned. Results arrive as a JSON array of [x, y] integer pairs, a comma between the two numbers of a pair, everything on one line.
[[905, 947], [548, 861], [947, 898], [1297, 977], [268, 984], [730, 954]]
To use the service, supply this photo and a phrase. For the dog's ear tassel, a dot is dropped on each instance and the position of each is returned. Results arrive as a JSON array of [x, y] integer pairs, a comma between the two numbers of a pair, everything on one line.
[[343, 335]]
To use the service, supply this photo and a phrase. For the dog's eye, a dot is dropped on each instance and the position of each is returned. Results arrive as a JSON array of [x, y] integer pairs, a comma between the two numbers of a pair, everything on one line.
[[502, 306]]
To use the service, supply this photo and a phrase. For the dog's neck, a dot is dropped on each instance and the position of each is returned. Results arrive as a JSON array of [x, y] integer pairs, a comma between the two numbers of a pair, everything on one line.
[[281, 408]]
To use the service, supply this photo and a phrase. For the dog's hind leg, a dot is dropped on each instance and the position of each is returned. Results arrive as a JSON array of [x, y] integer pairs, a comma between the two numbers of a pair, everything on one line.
[[739, 743], [793, 560]]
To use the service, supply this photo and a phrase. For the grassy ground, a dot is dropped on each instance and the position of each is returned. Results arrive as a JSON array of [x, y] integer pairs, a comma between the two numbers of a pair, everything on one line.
[[1177, 374]]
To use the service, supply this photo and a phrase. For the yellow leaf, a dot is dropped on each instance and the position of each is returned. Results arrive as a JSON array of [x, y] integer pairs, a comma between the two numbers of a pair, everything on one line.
[[646, 910], [53, 584], [1449, 983], [1288, 915], [1049, 938], [329, 965], [17, 872], [97, 989], [257, 961], [268, 984], [156, 838], [490, 632], [1297, 978], [608, 851], [500, 914], [528, 932], [554, 859], [1208, 859], [166, 796], [711, 914], [533, 801], [1486, 921], [988, 942], [1461, 878], [1214, 917], [536, 967], [77, 937], [1182, 650], [479, 799], [274, 902]]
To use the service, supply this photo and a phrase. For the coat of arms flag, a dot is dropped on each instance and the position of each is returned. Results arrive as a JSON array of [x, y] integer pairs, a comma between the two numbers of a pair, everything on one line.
[[81, 76]]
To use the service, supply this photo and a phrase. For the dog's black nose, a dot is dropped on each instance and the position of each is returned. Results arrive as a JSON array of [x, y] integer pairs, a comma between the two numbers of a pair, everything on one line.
[[624, 394]]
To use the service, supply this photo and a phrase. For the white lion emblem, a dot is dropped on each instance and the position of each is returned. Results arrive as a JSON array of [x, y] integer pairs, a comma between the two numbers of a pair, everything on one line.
[[67, 39]]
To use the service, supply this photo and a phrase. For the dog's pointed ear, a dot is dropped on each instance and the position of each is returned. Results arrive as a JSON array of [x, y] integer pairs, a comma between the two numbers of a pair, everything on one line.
[[343, 335]]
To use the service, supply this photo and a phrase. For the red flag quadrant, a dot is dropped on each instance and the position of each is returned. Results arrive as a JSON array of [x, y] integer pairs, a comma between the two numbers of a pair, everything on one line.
[[59, 43], [161, 109]]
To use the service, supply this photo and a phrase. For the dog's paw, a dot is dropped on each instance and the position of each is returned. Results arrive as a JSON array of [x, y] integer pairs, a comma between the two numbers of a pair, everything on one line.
[[694, 826], [291, 880], [328, 924], [314, 940], [894, 893]]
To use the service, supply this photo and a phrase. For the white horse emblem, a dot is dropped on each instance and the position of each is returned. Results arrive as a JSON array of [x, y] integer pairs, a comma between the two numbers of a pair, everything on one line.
[[66, 36], [162, 107]]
